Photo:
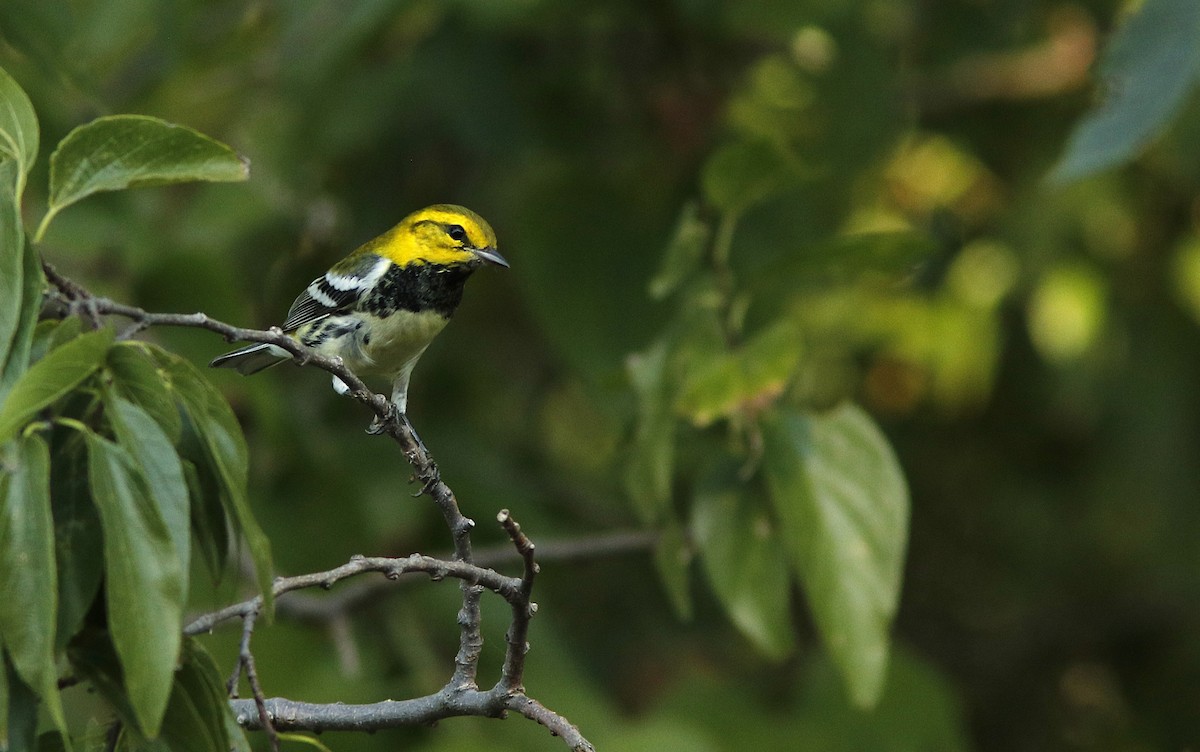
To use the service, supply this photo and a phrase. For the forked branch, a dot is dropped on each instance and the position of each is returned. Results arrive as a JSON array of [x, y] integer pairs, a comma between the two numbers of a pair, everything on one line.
[[461, 695]]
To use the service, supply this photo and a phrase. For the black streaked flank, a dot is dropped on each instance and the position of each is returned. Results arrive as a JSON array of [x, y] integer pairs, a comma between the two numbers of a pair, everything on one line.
[[330, 329]]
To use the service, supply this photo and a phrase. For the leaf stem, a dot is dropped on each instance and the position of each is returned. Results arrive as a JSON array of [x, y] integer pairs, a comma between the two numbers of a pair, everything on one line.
[[51, 212]]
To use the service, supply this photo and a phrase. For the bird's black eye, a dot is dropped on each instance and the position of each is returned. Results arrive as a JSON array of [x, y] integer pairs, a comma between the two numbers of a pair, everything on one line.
[[457, 233]]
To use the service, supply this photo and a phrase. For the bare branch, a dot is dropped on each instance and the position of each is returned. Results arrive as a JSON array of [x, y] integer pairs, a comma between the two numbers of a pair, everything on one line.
[[289, 715], [318, 609], [246, 662], [522, 608], [437, 569]]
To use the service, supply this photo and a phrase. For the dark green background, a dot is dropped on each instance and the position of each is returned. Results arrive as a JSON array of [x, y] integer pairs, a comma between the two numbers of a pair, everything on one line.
[[1037, 372]]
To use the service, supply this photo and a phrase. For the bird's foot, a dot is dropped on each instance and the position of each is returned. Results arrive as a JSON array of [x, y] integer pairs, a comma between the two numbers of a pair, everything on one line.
[[379, 424]]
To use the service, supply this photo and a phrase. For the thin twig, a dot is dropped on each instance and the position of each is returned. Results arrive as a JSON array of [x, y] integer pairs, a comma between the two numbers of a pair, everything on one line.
[[437, 569], [246, 661], [324, 609], [517, 636]]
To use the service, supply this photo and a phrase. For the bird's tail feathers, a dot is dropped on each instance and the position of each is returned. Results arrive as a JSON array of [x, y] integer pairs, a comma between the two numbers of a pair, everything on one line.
[[252, 358]]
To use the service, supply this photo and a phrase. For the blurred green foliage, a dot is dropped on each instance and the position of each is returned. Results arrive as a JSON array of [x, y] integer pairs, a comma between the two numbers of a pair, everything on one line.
[[777, 202]]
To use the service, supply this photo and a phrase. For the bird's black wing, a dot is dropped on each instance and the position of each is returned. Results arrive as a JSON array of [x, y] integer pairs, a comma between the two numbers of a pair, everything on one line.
[[336, 291]]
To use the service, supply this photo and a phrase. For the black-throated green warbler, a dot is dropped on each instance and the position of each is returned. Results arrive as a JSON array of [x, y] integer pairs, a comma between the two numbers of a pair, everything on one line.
[[381, 306]]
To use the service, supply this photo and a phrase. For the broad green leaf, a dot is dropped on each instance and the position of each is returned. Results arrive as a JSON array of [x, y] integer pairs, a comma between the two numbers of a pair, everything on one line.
[[742, 173], [195, 720], [652, 455], [137, 377], [53, 333], [143, 581], [154, 454], [225, 449], [78, 541], [684, 253], [18, 130], [21, 710], [749, 378], [1148, 70], [673, 560], [842, 505], [32, 283], [93, 658], [51, 378], [12, 264], [209, 524], [128, 151], [28, 610], [743, 558]]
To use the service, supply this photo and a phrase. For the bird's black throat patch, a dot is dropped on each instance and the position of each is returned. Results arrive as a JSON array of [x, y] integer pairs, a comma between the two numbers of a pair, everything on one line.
[[417, 288]]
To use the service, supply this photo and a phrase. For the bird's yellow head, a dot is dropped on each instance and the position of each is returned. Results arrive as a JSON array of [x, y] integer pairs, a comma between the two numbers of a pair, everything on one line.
[[442, 234]]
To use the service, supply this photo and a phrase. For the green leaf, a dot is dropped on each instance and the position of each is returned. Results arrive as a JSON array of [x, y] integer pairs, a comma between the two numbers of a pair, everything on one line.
[[78, 542], [143, 581], [154, 454], [673, 559], [684, 253], [51, 378], [52, 334], [743, 558], [28, 610], [18, 130], [749, 378], [21, 710], [19, 350], [209, 525], [225, 450], [128, 151], [1148, 69], [12, 263], [197, 713], [842, 504], [651, 462], [94, 659], [137, 377], [740, 174]]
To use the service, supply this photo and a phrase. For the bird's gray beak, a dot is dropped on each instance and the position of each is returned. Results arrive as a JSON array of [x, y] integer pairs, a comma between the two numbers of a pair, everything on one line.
[[490, 255]]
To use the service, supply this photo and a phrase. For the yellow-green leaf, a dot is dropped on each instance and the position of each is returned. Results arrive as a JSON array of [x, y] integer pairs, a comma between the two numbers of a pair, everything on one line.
[[684, 253], [18, 130], [673, 560], [842, 504], [750, 377], [743, 558], [51, 378]]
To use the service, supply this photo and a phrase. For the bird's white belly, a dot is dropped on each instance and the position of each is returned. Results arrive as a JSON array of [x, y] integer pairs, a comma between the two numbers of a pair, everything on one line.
[[387, 346]]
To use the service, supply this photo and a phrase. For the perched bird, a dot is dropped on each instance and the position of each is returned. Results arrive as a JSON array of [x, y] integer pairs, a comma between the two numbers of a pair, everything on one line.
[[381, 306]]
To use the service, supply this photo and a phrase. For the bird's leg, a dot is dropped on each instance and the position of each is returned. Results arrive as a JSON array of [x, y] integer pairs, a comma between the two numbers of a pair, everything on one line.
[[408, 424]]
